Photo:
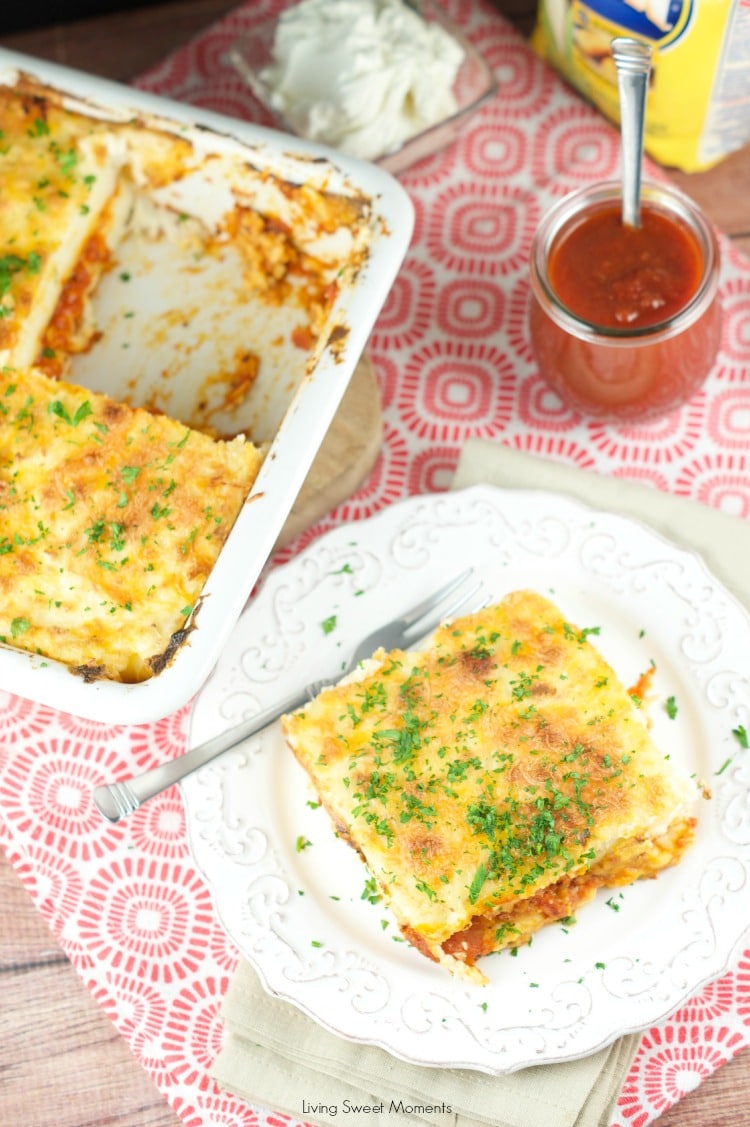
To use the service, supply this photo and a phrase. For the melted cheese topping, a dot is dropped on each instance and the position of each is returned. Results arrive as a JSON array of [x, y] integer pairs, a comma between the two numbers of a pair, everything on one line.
[[111, 520], [493, 781]]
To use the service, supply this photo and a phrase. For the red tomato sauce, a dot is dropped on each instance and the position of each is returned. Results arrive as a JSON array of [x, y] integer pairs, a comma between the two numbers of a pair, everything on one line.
[[622, 277]]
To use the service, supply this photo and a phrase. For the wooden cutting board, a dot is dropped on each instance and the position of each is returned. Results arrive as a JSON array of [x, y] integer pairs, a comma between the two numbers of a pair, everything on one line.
[[346, 456]]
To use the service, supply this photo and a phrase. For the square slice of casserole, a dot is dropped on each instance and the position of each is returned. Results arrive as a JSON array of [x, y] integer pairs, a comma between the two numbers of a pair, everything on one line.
[[494, 780], [111, 519]]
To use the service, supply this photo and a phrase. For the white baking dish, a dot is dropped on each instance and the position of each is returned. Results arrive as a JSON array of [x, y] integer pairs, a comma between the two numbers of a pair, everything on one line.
[[289, 407]]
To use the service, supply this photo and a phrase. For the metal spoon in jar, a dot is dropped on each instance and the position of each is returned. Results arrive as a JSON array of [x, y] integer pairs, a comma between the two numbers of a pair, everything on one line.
[[633, 62]]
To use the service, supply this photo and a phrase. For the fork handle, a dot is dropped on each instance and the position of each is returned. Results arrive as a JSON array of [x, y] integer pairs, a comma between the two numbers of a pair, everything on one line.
[[116, 800]]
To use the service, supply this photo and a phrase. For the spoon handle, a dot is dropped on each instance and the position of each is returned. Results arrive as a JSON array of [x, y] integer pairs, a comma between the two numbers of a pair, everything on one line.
[[633, 62]]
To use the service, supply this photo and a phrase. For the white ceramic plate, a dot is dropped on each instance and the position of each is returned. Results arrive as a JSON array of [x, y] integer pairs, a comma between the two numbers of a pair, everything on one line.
[[298, 914]]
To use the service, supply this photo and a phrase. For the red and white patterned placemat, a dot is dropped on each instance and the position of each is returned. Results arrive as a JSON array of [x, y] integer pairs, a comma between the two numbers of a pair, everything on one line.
[[452, 358]]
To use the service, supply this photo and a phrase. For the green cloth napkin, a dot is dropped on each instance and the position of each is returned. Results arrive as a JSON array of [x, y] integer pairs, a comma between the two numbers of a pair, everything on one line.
[[276, 1056]]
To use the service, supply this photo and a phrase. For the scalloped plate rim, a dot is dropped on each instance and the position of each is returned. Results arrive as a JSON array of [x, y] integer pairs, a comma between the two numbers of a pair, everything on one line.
[[462, 1052]]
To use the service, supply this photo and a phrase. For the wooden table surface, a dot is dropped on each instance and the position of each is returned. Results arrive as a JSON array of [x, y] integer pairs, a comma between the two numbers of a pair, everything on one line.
[[61, 1060]]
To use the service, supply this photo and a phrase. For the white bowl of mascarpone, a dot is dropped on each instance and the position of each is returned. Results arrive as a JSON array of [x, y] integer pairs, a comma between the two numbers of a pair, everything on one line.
[[387, 81]]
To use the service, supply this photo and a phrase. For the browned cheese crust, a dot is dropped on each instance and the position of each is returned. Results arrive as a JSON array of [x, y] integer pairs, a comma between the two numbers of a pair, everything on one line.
[[495, 780]]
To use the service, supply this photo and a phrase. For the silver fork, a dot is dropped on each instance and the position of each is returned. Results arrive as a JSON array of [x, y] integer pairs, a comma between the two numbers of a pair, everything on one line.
[[118, 799]]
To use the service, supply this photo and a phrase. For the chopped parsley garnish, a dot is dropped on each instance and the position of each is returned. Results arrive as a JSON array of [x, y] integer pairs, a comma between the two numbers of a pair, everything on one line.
[[579, 636], [56, 407], [11, 264], [370, 891]]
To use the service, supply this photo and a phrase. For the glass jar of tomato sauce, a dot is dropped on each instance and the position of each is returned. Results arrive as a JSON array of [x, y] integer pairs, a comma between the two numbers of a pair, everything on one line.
[[625, 322]]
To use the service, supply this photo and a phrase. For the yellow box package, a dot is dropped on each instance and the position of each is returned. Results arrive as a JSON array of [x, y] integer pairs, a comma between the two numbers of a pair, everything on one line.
[[698, 105]]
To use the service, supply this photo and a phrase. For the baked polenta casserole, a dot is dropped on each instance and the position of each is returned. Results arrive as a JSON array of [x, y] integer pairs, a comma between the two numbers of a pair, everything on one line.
[[494, 780], [111, 520], [112, 514]]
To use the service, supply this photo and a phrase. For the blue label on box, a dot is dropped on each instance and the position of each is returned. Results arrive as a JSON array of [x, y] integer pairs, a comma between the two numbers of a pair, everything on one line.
[[659, 20]]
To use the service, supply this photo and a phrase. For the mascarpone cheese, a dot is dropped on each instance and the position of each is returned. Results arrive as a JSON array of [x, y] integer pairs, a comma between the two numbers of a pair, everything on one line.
[[361, 75]]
